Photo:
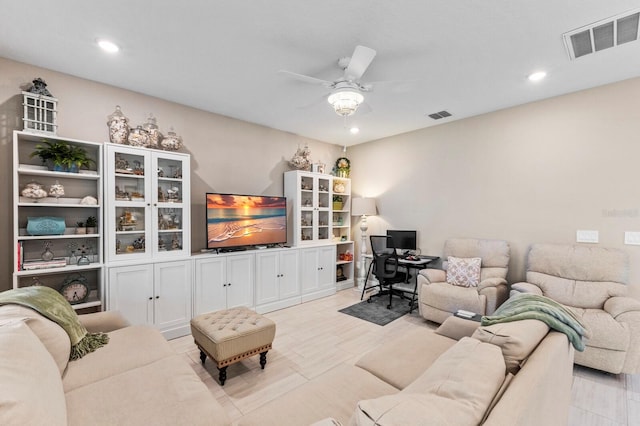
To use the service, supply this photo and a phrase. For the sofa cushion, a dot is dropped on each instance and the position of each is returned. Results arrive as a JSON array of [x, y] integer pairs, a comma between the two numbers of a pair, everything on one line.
[[450, 298], [333, 394], [31, 391], [516, 339], [420, 348], [52, 336], [410, 410], [453, 391], [164, 392], [582, 294], [128, 348], [606, 332], [463, 272], [456, 328]]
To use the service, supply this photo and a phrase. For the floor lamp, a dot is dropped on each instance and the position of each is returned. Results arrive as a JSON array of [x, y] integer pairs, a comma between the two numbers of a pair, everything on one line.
[[363, 207]]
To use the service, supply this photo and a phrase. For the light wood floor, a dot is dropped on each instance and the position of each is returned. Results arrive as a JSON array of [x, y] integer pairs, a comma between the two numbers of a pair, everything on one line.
[[313, 337]]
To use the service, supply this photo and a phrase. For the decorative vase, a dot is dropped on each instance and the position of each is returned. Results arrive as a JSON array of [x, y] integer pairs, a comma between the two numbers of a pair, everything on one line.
[[301, 160], [47, 254], [56, 190], [33, 191], [138, 137], [118, 127], [171, 142], [151, 127]]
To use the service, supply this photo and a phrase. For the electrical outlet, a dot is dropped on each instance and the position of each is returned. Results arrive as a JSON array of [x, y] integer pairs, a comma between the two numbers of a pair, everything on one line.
[[586, 236], [632, 238]]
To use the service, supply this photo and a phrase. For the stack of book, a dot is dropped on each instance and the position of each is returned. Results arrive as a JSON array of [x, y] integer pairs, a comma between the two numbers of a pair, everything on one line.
[[30, 265]]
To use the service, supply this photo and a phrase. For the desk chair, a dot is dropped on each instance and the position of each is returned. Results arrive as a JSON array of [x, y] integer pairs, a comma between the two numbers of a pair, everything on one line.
[[385, 269]]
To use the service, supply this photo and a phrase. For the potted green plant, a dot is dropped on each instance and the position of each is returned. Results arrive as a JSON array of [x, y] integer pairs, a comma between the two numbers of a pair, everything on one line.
[[77, 158], [92, 225], [80, 229], [53, 154], [61, 156], [337, 202]]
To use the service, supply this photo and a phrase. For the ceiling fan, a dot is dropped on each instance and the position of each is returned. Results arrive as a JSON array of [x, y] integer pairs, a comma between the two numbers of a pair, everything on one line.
[[346, 92]]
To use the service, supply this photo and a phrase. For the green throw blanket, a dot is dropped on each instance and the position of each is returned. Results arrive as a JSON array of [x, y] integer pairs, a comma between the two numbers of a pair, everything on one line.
[[54, 306], [531, 306]]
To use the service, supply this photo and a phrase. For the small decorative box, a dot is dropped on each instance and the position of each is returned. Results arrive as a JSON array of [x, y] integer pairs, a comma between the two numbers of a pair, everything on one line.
[[45, 225]]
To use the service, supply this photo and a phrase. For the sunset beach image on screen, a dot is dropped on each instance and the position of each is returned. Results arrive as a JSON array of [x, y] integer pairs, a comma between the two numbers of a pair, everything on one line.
[[245, 220]]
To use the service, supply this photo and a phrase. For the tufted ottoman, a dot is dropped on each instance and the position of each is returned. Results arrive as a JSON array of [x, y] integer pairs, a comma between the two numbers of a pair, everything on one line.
[[231, 335]]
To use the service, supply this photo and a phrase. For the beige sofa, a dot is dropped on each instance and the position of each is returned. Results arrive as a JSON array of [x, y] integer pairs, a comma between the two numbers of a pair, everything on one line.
[[592, 282], [430, 378], [136, 379]]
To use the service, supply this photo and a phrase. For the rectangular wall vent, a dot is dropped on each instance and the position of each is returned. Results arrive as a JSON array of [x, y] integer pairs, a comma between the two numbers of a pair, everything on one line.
[[602, 35], [439, 115]]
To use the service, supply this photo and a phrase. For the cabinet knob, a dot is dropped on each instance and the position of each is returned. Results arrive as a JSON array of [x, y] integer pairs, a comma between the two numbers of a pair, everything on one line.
[[151, 298], [155, 204], [157, 297]]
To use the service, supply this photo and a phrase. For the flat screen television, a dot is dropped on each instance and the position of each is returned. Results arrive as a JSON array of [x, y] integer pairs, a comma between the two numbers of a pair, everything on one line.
[[235, 221]]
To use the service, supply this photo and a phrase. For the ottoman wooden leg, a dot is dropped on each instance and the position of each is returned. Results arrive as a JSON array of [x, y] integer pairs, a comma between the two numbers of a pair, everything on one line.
[[263, 359], [203, 356], [223, 374]]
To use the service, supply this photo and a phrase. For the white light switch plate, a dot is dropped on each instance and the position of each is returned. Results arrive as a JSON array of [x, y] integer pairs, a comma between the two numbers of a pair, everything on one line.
[[632, 238], [586, 236]]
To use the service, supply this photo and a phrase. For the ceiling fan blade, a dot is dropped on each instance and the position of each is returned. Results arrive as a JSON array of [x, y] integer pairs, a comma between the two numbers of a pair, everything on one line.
[[360, 61], [306, 78]]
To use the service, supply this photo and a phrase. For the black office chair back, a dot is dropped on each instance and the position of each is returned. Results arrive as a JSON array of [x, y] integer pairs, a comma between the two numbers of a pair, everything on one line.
[[384, 250]]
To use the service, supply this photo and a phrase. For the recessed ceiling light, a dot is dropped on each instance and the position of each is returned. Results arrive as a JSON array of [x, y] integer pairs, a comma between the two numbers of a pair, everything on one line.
[[354, 130], [108, 46], [537, 76]]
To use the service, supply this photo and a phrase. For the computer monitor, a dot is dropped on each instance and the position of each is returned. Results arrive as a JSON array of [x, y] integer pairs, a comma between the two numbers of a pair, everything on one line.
[[403, 240]]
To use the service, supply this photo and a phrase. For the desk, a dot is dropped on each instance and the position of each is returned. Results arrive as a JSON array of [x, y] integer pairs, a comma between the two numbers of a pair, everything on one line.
[[410, 265]]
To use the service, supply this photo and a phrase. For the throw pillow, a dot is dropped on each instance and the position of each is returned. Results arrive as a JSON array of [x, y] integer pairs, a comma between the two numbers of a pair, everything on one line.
[[463, 271]]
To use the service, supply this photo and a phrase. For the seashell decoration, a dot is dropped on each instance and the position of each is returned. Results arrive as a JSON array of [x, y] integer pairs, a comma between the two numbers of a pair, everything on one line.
[[151, 127], [34, 191], [171, 142], [118, 127], [138, 137], [301, 160]]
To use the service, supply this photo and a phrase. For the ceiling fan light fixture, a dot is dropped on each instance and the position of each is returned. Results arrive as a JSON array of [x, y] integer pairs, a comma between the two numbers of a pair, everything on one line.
[[345, 102]]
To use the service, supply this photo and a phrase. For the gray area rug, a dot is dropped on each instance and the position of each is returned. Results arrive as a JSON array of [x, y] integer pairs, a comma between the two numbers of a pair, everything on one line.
[[376, 311]]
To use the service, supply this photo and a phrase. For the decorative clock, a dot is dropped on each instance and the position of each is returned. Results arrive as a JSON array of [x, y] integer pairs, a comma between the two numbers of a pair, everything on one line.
[[75, 289]]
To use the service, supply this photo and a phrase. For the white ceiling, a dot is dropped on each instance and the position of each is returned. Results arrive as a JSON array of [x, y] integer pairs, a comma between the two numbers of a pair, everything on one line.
[[467, 57]]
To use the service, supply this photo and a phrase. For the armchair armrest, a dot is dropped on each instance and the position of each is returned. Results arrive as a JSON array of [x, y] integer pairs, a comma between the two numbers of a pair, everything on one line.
[[619, 305], [491, 282], [525, 287], [433, 275], [103, 322]]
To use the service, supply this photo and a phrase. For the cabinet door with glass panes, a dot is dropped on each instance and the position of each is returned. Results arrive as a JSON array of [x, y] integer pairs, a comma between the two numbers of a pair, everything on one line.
[[309, 196], [148, 204]]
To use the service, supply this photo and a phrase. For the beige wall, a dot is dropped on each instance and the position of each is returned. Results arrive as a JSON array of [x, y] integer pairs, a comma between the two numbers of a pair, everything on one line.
[[534, 173], [228, 155]]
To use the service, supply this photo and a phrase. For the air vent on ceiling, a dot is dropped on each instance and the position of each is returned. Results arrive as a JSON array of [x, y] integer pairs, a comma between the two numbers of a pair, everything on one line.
[[602, 35], [439, 115]]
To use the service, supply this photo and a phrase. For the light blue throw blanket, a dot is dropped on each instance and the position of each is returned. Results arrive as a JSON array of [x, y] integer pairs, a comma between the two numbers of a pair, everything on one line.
[[532, 306]]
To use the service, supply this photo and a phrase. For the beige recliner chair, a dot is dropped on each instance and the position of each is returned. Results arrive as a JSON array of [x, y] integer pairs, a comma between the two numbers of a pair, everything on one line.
[[439, 299], [592, 282]]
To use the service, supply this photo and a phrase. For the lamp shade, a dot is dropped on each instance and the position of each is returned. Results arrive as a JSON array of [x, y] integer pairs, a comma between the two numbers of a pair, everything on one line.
[[363, 207]]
